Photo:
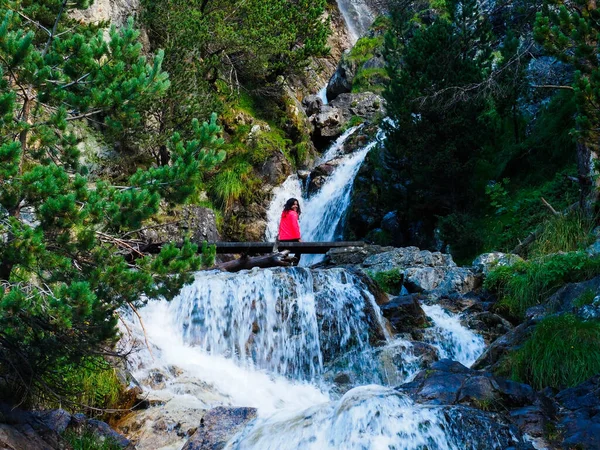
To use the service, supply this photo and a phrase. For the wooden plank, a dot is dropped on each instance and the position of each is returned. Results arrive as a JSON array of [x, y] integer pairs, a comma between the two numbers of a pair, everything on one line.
[[308, 248]]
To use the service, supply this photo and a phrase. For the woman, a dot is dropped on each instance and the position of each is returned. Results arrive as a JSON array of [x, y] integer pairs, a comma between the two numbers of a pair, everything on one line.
[[289, 227]]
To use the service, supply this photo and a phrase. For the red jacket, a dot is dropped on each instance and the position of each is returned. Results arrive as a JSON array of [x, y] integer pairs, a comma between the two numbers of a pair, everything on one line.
[[289, 227]]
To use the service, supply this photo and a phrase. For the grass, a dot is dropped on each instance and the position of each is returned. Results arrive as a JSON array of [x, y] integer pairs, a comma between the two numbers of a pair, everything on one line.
[[230, 184], [90, 441], [390, 281], [563, 351], [587, 298], [528, 283], [564, 233]]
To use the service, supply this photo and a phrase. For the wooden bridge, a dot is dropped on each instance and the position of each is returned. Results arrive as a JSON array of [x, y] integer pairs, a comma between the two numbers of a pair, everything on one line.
[[306, 248]]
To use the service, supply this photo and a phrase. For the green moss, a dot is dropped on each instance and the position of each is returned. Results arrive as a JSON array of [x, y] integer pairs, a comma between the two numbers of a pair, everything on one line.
[[390, 281], [563, 351], [528, 283], [364, 49]]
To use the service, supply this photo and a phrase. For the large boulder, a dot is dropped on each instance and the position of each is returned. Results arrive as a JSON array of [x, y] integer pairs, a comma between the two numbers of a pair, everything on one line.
[[218, 426], [362, 104], [341, 81], [448, 382], [488, 261]]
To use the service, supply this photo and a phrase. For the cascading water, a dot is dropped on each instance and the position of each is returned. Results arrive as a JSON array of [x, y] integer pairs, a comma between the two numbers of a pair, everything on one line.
[[307, 347], [357, 16]]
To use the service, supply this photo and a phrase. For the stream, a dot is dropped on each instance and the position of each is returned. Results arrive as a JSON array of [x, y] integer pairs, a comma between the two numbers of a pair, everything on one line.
[[307, 347]]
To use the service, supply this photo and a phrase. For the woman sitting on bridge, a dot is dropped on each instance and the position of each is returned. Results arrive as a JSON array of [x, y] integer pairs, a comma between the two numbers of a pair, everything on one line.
[[289, 226]]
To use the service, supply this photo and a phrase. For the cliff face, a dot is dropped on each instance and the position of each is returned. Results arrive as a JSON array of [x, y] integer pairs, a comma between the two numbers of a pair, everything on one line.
[[114, 11]]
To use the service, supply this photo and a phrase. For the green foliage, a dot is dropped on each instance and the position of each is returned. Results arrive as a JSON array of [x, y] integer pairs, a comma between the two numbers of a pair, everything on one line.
[[88, 440], [564, 233], [65, 264], [586, 298], [93, 383], [390, 281], [528, 283], [229, 185], [562, 352]]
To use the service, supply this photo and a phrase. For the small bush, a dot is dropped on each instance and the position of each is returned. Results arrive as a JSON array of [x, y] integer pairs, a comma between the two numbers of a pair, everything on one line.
[[564, 233], [390, 281], [528, 283], [563, 351], [90, 441]]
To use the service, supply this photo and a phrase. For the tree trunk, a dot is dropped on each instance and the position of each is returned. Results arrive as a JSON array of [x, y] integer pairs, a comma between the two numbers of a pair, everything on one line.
[[281, 259]]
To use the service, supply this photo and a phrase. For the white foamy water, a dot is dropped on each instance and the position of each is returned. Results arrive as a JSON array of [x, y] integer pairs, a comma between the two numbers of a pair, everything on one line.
[[357, 16], [365, 418], [452, 340]]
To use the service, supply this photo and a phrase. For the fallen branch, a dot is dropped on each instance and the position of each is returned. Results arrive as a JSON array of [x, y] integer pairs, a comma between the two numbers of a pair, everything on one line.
[[280, 259], [135, 311], [549, 206]]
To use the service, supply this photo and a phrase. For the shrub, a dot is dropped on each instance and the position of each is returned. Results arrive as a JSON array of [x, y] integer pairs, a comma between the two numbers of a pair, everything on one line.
[[563, 351], [564, 233], [88, 440], [390, 281], [527, 283]]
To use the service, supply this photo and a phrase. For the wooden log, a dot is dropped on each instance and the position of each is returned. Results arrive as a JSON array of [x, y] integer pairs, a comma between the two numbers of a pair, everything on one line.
[[280, 259]]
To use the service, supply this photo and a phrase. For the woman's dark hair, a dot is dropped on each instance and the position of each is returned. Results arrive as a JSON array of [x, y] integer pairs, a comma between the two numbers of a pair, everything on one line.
[[290, 203]]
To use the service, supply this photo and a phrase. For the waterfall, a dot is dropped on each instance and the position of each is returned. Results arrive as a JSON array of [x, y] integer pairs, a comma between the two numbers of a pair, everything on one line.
[[451, 339], [357, 16]]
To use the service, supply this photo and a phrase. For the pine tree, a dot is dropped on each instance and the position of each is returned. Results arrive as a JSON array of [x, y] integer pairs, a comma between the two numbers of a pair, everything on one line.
[[569, 30], [65, 265]]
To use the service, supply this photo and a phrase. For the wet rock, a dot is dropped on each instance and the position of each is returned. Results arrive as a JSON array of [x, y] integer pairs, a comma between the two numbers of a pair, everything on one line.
[[491, 358], [405, 313], [218, 426], [579, 420], [488, 261], [341, 81], [406, 257], [449, 382], [531, 420], [23, 437], [483, 430], [563, 300], [391, 223], [491, 326]]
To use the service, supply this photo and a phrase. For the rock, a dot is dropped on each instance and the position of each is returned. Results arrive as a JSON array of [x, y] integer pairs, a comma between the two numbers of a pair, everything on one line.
[[449, 382], [103, 430], [23, 437], [491, 358], [531, 420], [276, 169], [114, 11], [341, 81], [390, 223], [491, 326], [57, 419], [579, 421], [483, 430], [487, 261], [354, 255], [218, 426], [405, 313], [406, 257], [366, 105], [312, 104], [198, 221], [564, 299]]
